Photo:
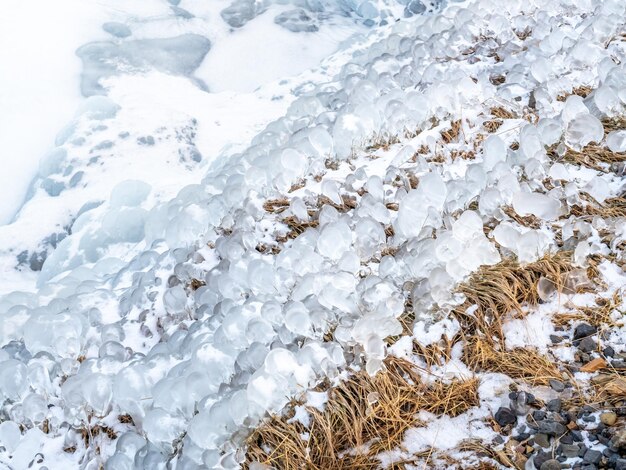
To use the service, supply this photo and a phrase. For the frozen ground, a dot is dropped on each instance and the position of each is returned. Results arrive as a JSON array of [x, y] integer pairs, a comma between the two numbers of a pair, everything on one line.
[[252, 197]]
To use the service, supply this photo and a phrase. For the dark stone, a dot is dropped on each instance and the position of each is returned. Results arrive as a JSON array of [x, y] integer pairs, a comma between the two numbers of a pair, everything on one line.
[[589, 419], [541, 457], [539, 415], [589, 466], [542, 440], [583, 330], [551, 464], [582, 451], [554, 405], [556, 339], [592, 457], [568, 450], [608, 351], [576, 435], [504, 416], [567, 439], [620, 464], [588, 345], [557, 385], [552, 428], [522, 437], [499, 440]]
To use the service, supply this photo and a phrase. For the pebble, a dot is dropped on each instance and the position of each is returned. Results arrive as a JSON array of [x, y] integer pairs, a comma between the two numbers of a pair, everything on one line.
[[554, 405], [557, 385], [608, 351], [569, 450], [541, 457], [552, 428], [551, 464], [542, 440], [620, 464], [556, 339], [592, 456], [504, 416], [584, 329], [588, 344]]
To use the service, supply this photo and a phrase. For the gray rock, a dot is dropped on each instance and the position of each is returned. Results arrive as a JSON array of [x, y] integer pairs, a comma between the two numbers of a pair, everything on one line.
[[557, 385], [119, 30], [569, 450], [588, 345], [540, 458], [592, 457], [554, 405], [552, 428], [620, 464], [551, 464], [583, 330], [504, 417], [542, 440]]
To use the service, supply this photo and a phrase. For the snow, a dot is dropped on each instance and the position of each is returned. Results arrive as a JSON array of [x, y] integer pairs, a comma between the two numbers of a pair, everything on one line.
[[38, 85], [246, 199]]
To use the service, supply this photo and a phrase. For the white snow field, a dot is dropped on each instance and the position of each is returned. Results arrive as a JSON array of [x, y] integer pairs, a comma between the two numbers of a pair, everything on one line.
[[247, 194]]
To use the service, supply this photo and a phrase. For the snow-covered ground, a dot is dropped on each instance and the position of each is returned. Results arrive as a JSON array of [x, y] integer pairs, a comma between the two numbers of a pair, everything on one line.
[[249, 195]]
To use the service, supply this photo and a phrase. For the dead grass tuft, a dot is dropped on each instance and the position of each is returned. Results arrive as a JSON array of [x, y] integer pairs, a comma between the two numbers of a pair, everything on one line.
[[363, 417], [276, 206], [502, 113], [529, 221], [492, 125], [452, 134], [582, 91], [497, 79], [521, 363], [502, 289], [598, 315], [610, 208], [594, 156]]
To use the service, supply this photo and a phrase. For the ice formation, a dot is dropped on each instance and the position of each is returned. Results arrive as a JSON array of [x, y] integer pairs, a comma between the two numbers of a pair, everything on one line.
[[194, 311]]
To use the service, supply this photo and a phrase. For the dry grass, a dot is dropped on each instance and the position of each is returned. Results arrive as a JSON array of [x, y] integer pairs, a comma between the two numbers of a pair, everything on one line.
[[363, 417], [502, 113], [452, 134], [614, 124], [521, 363], [382, 142], [500, 290], [276, 206], [515, 461], [497, 79], [529, 221], [582, 91], [297, 226], [610, 208], [593, 156], [492, 125], [598, 315]]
